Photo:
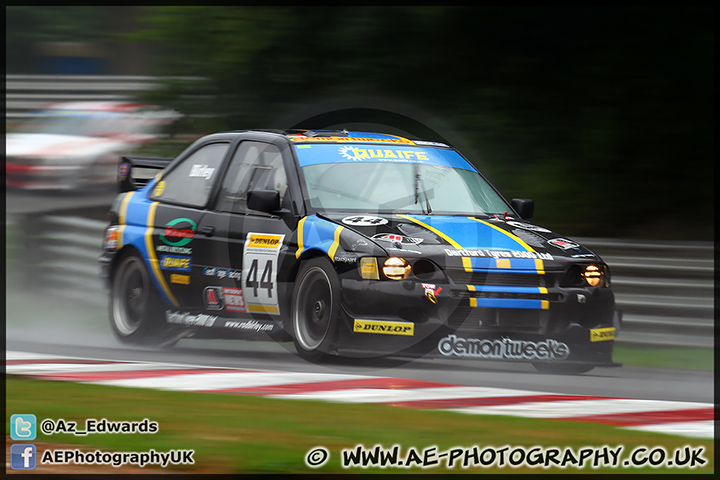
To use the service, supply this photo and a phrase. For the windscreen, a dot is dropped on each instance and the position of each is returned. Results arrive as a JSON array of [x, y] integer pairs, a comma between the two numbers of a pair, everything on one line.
[[407, 179]]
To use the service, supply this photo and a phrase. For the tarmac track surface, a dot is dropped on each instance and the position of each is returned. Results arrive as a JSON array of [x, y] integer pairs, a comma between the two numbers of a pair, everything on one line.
[[624, 382]]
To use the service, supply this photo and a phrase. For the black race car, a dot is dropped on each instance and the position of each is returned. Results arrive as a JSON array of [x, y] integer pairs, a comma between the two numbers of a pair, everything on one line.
[[352, 244]]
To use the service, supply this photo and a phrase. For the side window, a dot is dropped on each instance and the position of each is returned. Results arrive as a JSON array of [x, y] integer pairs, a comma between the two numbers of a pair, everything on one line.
[[255, 166], [191, 181]]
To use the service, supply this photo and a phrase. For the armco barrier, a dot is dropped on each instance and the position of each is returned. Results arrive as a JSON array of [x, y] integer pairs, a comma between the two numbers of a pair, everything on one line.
[[665, 289], [26, 93]]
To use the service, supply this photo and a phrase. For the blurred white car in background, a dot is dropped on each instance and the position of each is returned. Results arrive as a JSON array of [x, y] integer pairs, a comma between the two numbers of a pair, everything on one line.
[[71, 145]]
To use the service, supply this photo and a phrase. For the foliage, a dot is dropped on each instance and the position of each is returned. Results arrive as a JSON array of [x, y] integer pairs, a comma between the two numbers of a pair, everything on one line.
[[603, 115]]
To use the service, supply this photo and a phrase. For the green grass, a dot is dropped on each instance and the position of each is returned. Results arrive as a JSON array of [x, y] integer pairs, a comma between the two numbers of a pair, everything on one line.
[[683, 358], [239, 434]]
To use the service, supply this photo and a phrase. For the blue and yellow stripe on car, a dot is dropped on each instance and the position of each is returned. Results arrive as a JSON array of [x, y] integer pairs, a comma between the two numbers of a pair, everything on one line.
[[467, 263], [461, 235], [152, 258], [122, 217], [539, 266], [137, 219], [494, 302], [466, 236], [314, 233]]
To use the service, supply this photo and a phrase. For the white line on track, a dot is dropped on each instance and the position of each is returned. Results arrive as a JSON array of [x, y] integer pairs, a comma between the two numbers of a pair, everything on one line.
[[209, 378], [384, 395], [225, 380], [581, 408]]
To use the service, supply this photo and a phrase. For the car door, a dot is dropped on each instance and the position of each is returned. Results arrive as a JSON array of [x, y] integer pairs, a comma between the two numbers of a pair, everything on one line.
[[180, 198], [249, 245]]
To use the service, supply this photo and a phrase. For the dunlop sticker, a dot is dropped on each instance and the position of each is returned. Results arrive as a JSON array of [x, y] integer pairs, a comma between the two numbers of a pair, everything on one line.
[[264, 241], [386, 328], [602, 334]]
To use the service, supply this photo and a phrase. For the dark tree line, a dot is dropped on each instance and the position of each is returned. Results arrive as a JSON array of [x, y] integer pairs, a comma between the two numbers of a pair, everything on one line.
[[603, 115]]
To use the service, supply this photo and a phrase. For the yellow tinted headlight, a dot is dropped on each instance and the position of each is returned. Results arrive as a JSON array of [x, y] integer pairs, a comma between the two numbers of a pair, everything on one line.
[[396, 268], [593, 275]]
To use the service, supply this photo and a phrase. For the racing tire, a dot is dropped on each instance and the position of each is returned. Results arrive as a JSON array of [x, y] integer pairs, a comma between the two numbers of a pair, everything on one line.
[[315, 309], [562, 368], [136, 313]]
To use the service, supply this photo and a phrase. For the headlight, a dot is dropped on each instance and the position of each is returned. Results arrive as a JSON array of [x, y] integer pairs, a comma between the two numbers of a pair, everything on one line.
[[593, 275], [396, 268], [112, 235]]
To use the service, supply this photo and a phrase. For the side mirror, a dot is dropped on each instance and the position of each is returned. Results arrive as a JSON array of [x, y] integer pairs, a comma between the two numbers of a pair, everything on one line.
[[263, 200], [525, 207]]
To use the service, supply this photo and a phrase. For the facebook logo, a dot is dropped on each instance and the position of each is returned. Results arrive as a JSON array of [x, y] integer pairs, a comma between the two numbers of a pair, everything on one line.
[[23, 457], [23, 426]]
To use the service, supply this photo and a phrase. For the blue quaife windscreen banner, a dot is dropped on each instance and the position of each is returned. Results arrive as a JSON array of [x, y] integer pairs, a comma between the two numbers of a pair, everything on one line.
[[333, 153]]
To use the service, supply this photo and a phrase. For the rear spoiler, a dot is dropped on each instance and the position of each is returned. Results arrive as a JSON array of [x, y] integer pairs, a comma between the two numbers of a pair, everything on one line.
[[135, 172]]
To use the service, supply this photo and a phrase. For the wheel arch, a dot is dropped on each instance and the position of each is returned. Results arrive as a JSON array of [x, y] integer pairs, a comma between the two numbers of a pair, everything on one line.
[[124, 252], [291, 278]]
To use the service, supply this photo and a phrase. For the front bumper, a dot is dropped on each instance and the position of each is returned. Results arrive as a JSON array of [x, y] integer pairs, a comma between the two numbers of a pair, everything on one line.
[[509, 323]]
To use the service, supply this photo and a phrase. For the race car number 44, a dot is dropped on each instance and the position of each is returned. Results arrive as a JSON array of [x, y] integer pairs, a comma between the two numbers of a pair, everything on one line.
[[260, 263]]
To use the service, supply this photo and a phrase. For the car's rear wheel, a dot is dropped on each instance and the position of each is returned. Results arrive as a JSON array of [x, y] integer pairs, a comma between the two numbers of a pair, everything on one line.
[[136, 314], [315, 308], [562, 368]]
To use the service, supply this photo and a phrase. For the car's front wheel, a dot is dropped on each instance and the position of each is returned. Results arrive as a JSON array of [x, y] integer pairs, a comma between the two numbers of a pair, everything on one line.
[[136, 314], [315, 308]]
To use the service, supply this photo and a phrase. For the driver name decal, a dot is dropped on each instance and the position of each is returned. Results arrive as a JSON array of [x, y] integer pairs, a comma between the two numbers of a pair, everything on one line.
[[498, 254], [505, 349]]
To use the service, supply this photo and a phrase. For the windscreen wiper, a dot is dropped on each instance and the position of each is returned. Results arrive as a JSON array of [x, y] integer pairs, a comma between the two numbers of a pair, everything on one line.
[[420, 184]]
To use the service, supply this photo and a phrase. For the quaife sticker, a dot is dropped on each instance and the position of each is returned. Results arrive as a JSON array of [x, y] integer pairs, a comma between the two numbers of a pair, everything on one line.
[[175, 263], [505, 349], [387, 328], [357, 154], [259, 273]]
